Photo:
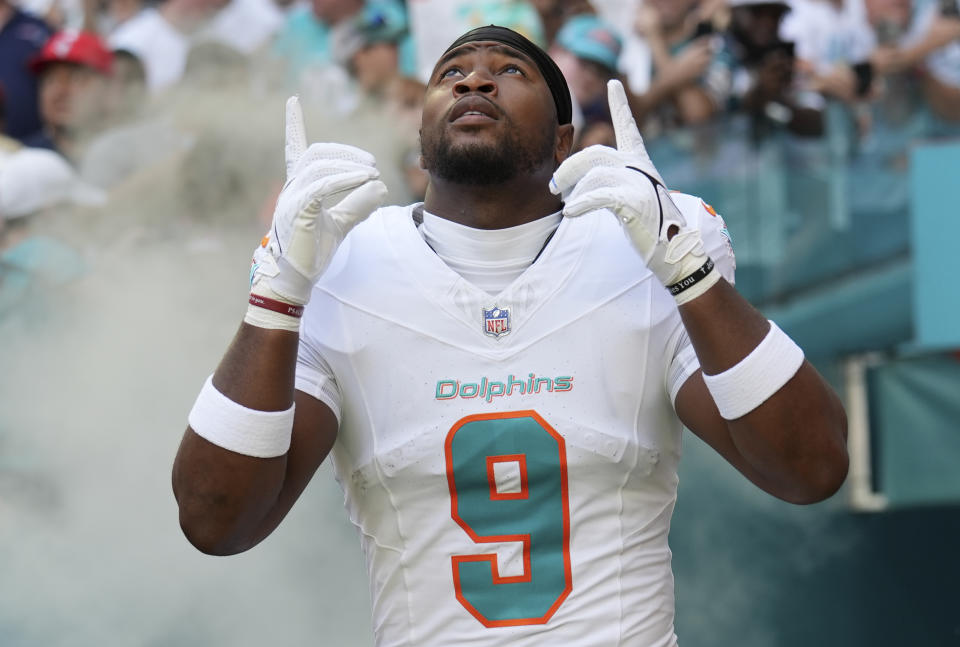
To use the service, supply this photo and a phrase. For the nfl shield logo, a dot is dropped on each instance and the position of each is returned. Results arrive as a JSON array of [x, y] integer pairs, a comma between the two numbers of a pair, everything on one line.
[[496, 321]]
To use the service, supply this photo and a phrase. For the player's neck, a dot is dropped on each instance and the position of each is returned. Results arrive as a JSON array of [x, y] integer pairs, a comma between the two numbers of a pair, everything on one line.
[[512, 203]]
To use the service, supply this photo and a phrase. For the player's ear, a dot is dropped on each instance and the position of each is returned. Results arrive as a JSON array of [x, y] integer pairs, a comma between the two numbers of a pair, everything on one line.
[[564, 143]]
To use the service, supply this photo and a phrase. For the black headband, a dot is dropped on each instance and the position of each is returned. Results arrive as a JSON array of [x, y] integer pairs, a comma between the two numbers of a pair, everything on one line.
[[548, 69]]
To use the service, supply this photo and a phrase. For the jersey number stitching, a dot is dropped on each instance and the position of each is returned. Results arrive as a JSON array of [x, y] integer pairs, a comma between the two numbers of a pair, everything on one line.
[[538, 516]]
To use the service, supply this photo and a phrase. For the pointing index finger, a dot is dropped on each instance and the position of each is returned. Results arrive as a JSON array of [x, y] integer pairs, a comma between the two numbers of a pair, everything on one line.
[[626, 131], [296, 134], [624, 127]]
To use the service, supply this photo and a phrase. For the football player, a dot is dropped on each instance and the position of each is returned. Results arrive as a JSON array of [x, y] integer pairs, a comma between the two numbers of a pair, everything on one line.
[[500, 374]]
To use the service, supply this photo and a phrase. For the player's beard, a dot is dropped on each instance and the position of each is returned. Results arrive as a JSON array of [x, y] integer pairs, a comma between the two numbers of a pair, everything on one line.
[[485, 164]]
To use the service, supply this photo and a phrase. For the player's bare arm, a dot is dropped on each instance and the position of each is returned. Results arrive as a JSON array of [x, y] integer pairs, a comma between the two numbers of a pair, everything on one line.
[[254, 442], [764, 408], [793, 445], [230, 501]]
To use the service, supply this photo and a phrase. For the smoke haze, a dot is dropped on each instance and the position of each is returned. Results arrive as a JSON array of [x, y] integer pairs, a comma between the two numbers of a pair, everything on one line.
[[98, 376]]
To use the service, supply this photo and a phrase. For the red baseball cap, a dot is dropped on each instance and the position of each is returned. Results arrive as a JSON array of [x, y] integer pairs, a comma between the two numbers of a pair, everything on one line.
[[74, 46]]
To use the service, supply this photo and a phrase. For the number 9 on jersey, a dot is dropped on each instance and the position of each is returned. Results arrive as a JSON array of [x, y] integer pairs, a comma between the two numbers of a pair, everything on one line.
[[530, 505]]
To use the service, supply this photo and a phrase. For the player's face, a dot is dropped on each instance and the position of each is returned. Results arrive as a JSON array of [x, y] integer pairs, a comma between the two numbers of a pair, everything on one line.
[[488, 115]]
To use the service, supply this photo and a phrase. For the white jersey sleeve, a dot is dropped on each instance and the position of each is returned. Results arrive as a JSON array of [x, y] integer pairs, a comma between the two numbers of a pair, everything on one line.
[[684, 364], [315, 377], [716, 237]]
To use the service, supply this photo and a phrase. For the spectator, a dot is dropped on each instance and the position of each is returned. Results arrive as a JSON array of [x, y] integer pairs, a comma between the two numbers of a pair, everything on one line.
[[161, 37], [860, 50], [682, 38], [248, 26], [833, 45], [33, 180], [127, 88], [587, 50], [111, 15], [374, 58], [827, 32], [32, 183], [761, 78], [73, 69], [911, 40], [134, 140], [21, 37], [311, 35], [518, 15], [435, 22], [555, 13], [58, 14], [883, 76]]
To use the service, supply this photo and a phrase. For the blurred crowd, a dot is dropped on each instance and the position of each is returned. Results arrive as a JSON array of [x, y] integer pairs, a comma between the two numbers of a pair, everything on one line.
[[170, 111]]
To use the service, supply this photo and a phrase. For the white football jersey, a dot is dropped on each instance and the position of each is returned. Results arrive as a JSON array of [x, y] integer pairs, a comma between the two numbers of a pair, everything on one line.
[[509, 462]]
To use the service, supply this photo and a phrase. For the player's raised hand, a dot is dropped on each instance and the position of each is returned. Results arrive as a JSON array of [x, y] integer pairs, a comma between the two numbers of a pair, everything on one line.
[[625, 181], [329, 189]]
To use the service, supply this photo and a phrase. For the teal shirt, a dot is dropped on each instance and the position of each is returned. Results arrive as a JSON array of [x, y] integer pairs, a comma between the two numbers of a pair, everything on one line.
[[303, 41], [518, 15], [30, 268]]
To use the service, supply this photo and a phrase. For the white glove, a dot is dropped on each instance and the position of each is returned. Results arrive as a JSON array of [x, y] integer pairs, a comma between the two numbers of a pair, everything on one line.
[[330, 188], [625, 181]]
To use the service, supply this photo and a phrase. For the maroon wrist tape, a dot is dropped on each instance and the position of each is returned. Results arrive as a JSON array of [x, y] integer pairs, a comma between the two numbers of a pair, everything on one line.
[[276, 306]]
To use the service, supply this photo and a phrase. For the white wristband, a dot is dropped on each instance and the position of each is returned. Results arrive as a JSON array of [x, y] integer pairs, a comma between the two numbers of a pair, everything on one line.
[[263, 434], [742, 388], [261, 317]]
